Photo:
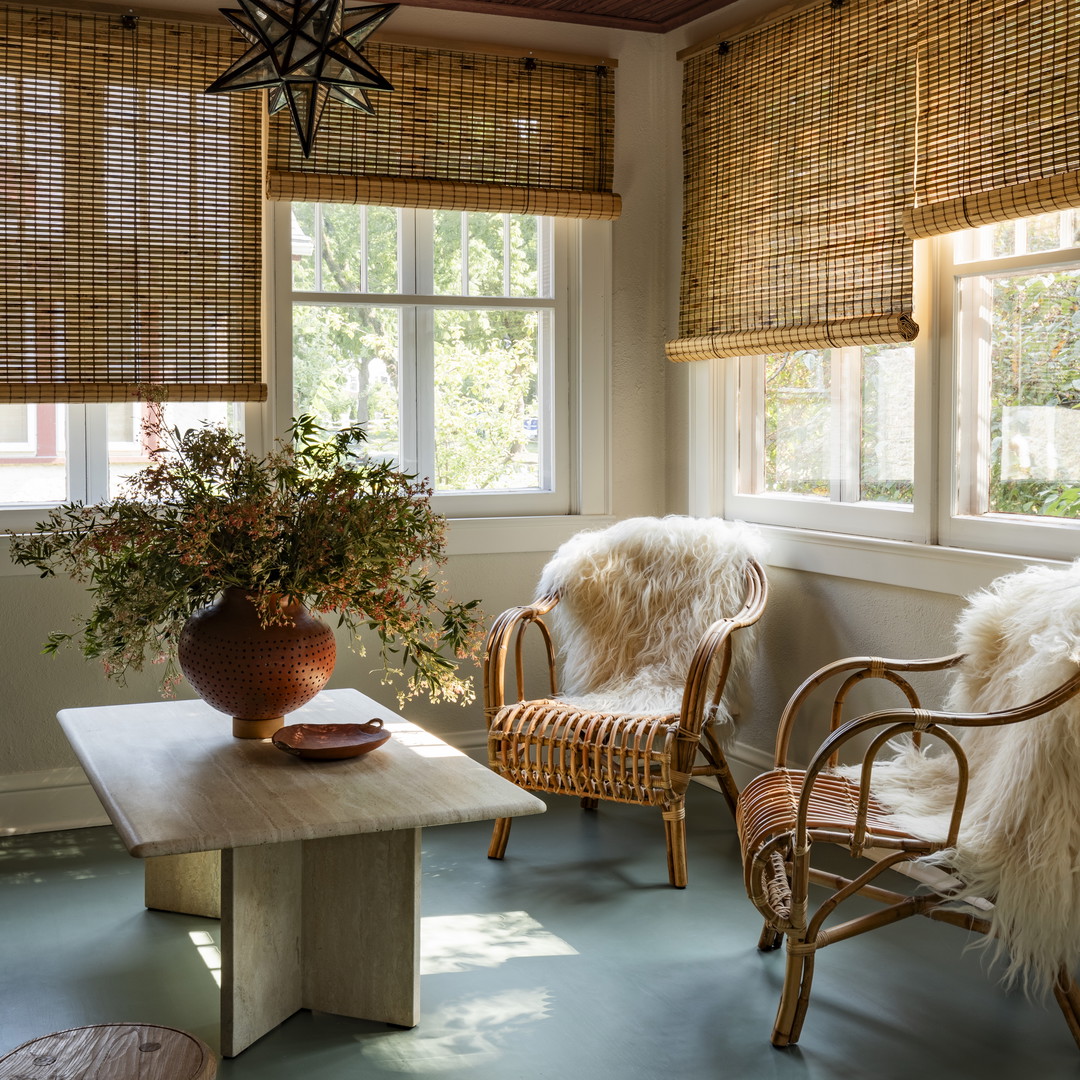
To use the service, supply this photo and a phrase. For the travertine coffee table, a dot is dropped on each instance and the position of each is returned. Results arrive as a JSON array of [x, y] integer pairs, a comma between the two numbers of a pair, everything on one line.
[[320, 860]]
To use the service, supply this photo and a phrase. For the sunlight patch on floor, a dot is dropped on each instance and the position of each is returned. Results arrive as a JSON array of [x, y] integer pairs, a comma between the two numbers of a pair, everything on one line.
[[460, 942], [210, 953], [460, 1035]]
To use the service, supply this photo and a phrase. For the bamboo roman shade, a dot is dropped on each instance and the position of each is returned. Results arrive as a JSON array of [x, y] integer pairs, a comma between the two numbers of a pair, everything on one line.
[[462, 131], [999, 112], [130, 207], [798, 158]]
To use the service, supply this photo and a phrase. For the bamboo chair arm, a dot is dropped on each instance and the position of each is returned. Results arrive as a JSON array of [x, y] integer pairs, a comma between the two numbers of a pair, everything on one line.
[[887, 724], [715, 647], [509, 630], [855, 669]]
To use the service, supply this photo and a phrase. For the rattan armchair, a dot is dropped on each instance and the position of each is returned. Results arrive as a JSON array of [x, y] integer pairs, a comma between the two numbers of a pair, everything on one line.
[[638, 719], [786, 815]]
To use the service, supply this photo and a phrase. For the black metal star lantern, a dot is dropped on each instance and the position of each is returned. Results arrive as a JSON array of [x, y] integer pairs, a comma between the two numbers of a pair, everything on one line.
[[305, 52]]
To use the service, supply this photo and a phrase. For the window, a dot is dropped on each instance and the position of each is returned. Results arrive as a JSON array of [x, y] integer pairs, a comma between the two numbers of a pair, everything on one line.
[[843, 439], [446, 334], [82, 452], [1014, 293]]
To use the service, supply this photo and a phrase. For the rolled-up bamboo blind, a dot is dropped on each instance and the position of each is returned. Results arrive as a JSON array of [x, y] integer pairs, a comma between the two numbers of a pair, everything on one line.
[[999, 112], [797, 153], [130, 209], [465, 131]]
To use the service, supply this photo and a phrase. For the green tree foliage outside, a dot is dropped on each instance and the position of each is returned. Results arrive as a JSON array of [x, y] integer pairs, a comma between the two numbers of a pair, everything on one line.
[[1035, 361], [347, 357]]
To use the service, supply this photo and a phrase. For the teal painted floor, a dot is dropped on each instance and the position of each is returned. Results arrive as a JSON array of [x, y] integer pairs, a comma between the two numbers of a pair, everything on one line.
[[571, 959]]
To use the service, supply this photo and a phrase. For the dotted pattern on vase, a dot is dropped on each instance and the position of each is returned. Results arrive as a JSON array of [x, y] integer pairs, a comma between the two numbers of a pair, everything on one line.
[[257, 673]]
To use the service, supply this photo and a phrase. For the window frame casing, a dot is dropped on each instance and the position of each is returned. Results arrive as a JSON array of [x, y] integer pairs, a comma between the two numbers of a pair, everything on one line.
[[940, 520], [577, 393]]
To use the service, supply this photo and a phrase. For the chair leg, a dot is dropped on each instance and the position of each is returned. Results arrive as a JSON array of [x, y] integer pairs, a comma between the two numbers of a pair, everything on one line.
[[795, 996], [500, 834], [675, 835], [589, 804], [770, 939], [1068, 997]]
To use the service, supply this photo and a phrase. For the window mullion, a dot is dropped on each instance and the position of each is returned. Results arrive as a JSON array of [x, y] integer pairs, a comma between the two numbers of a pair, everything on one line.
[[974, 392], [846, 383], [318, 252], [365, 250], [507, 287], [751, 427], [465, 253]]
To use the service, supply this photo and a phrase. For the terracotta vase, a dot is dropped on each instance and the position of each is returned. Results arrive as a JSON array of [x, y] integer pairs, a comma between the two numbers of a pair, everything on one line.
[[255, 673]]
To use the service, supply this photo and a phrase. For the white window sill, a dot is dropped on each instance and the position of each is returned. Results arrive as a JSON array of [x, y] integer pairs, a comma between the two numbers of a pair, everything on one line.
[[465, 536], [956, 571]]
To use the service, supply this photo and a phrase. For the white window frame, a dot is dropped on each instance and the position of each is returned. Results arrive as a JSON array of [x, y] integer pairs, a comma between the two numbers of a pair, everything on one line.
[[963, 466], [577, 394], [740, 455], [944, 548]]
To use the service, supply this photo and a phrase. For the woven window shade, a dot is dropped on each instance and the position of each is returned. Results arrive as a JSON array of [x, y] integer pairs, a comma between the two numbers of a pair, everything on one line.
[[797, 164], [130, 209], [462, 131], [999, 112]]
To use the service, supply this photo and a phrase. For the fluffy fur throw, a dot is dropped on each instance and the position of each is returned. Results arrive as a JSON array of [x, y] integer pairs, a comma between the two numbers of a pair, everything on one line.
[[1020, 841], [635, 599]]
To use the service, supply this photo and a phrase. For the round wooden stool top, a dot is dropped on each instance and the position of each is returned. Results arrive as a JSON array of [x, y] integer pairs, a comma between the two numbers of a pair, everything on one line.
[[111, 1052]]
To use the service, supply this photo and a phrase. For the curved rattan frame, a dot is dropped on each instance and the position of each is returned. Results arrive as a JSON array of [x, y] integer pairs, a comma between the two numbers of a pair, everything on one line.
[[783, 813], [549, 746]]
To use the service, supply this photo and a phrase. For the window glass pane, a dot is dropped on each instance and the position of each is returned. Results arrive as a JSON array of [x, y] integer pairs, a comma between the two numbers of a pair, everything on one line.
[[343, 248], [33, 454], [448, 269], [486, 399], [1047, 232], [524, 255], [129, 449], [382, 249], [303, 246], [798, 423], [888, 424], [1030, 332], [345, 369], [15, 424], [486, 266]]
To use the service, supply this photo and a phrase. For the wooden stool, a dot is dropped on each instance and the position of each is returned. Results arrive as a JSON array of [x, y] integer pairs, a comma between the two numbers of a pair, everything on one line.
[[112, 1052]]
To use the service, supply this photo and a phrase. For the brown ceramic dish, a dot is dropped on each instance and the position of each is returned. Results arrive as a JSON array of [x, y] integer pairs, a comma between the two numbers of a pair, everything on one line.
[[329, 741]]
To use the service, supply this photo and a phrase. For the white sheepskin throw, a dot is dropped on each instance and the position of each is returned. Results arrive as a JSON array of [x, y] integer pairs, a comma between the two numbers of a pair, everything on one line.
[[1020, 840], [635, 599]]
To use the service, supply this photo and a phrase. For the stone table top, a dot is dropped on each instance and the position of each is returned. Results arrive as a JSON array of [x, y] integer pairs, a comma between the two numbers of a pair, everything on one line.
[[173, 779]]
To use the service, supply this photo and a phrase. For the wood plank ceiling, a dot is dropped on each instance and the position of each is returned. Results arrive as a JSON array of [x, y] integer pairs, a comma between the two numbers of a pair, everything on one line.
[[654, 16]]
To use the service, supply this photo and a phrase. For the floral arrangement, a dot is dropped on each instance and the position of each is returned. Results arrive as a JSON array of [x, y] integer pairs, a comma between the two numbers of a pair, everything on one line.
[[313, 521]]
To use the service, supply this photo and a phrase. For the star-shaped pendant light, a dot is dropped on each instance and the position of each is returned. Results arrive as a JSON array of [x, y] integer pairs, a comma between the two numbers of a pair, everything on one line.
[[305, 52]]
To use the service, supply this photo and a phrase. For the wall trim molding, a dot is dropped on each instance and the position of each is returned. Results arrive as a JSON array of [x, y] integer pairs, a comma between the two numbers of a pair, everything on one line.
[[47, 800]]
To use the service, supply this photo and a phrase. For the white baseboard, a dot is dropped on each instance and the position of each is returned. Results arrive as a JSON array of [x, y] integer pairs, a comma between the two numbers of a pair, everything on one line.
[[746, 762], [47, 800]]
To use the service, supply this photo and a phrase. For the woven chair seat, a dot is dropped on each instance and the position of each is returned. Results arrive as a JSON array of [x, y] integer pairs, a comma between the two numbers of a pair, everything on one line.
[[551, 745], [766, 819]]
